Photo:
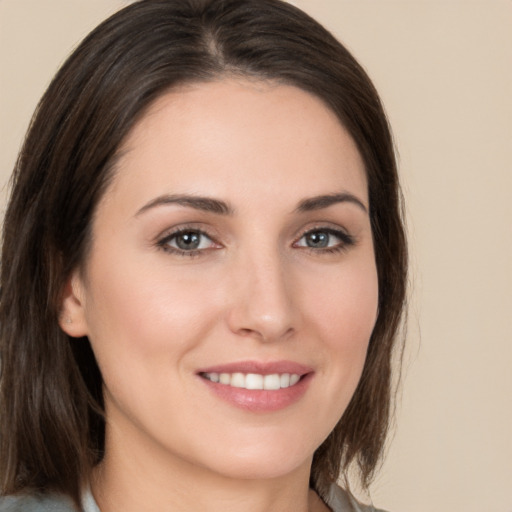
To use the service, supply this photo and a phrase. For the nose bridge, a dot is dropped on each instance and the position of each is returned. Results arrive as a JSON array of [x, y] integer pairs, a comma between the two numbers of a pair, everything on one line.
[[263, 304]]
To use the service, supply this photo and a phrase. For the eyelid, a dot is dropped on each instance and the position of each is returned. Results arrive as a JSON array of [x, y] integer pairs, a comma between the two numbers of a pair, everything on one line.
[[198, 227], [346, 239], [162, 241]]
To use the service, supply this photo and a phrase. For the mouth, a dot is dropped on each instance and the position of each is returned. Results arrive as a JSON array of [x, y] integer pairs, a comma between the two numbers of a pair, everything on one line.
[[258, 387], [254, 381]]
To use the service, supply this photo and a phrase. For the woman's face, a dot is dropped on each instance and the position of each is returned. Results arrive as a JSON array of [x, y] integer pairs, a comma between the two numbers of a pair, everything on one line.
[[232, 251]]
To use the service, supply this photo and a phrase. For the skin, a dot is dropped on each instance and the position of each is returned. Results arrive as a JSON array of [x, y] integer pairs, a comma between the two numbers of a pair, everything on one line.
[[255, 290]]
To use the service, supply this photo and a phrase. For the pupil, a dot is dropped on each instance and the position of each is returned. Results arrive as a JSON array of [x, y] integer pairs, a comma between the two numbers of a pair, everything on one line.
[[188, 241], [318, 239]]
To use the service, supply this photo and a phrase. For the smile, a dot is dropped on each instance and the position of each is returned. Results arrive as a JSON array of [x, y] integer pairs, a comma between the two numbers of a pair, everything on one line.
[[254, 381], [258, 386]]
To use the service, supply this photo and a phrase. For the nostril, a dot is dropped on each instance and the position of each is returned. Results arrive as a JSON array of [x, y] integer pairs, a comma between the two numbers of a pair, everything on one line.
[[263, 312], [266, 334]]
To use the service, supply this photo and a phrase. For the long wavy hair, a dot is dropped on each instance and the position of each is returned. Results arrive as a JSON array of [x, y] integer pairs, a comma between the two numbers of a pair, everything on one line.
[[51, 406]]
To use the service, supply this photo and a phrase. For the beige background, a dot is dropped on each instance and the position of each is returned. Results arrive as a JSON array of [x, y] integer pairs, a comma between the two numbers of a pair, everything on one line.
[[444, 69]]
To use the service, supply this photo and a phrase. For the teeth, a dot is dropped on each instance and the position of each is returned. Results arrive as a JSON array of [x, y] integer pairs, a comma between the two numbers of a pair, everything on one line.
[[238, 380], [254, 381], [294, 378], [284, 380], [271, 382]]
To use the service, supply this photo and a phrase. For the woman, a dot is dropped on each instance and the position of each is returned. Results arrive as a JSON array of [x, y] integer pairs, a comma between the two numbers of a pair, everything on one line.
[[203, 269]]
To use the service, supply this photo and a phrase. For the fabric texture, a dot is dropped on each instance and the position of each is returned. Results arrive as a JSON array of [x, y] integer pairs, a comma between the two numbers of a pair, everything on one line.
[[337, 500], [35, 503], [49, 503]]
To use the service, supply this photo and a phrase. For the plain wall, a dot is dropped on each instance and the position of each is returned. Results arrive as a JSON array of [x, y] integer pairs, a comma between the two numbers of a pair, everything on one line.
[[444, 70]]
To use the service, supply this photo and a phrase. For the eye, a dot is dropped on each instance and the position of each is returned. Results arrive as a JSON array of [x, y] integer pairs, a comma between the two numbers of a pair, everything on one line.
[[188, 241], [325, 239]]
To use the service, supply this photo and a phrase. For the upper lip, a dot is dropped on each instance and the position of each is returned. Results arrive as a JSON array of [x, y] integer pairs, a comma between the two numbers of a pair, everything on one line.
[[259, 367]]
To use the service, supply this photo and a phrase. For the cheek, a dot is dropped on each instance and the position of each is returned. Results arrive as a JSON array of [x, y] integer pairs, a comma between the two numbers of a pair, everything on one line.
[[142, 326], [145, 317], [345, 306], [343, 312], [339, 316]]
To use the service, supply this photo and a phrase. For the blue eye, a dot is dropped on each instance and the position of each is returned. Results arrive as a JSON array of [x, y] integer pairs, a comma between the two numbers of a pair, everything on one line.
[[318, 239], [325, 239], [187, 241]]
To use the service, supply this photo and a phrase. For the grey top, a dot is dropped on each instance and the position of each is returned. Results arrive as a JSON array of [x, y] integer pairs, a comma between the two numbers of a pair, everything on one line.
[[337, 500]]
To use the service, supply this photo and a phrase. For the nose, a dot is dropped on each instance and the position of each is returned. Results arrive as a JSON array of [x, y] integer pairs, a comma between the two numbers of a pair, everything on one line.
[[262, 300]]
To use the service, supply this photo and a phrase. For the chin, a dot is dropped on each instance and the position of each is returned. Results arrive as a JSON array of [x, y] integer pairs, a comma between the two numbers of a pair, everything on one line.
[[251, 469], [261, 460]]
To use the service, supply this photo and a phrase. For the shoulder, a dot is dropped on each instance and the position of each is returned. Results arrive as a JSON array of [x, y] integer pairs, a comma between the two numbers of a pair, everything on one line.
[[36, 503], [340, 500]]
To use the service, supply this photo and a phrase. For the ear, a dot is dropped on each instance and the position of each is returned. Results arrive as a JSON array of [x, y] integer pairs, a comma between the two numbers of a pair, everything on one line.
[[72, 318]]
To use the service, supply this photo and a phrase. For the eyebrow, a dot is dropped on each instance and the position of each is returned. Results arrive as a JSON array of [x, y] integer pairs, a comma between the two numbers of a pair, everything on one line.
[[205, 204], [219, 207], [324, 201]]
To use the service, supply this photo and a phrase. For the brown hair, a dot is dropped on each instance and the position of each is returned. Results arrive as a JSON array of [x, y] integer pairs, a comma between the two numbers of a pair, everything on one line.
[[51, 422]]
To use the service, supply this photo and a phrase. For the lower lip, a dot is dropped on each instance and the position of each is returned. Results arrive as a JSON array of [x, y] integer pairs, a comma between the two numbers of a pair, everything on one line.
[[260, 400]]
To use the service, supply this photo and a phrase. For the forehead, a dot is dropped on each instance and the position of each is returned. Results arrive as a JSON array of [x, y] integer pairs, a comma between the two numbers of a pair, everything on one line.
[[221, 137]]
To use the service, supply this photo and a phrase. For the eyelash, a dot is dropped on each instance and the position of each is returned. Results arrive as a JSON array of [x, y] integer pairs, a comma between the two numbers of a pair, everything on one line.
[[164, 242], [346, 241]]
